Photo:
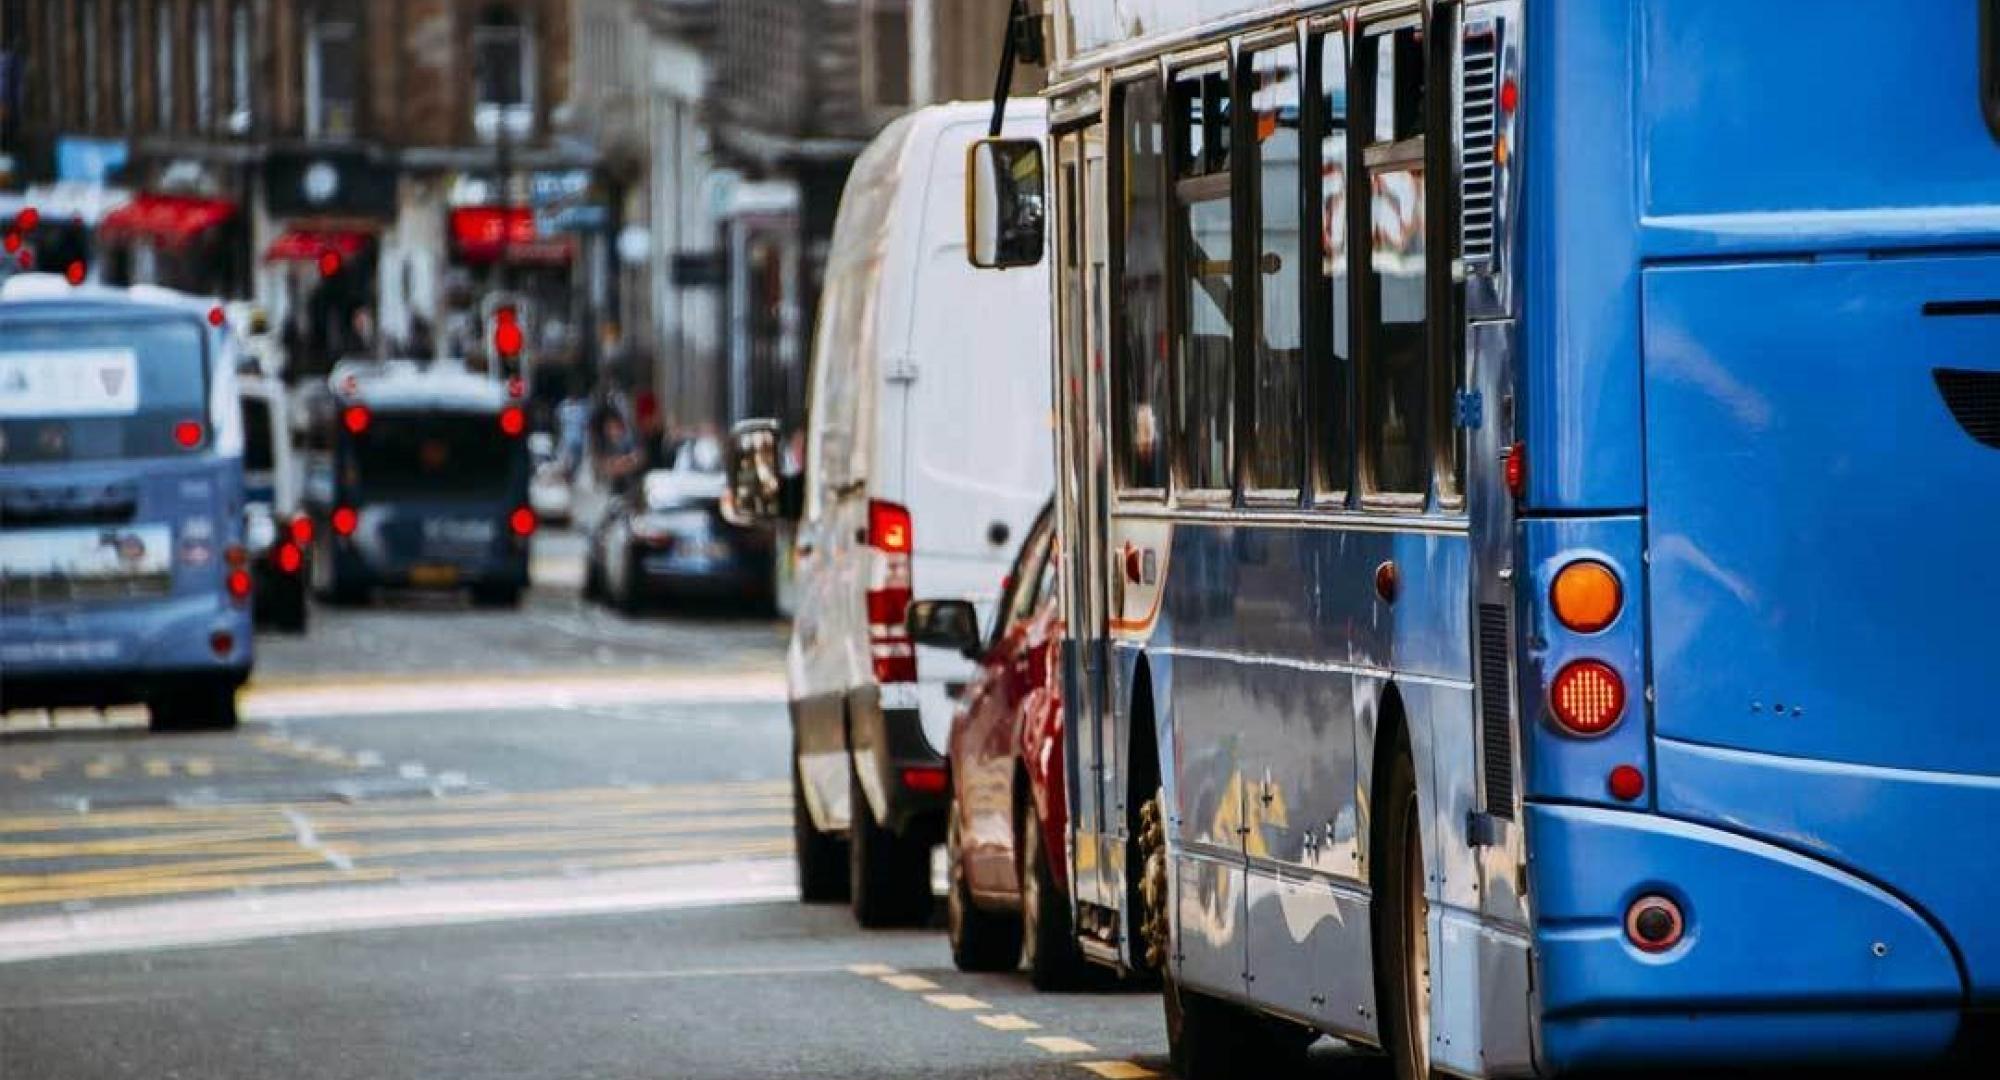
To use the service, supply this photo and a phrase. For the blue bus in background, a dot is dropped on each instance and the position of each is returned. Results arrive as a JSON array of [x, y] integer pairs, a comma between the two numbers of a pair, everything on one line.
[[1530, 514], [123, 576], [420, 481]]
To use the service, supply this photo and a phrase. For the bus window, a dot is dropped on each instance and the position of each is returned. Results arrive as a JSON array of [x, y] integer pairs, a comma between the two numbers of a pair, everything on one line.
[[1396, 311], [436, 455], [1139, 360], [1205, 364], [1277, 446], [1334, 387], [145, 382]]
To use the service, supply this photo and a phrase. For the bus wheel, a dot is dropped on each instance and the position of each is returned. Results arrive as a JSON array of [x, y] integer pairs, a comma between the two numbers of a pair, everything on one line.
[[1155, 929], [209, 708], [980, 940], [1048, 939], [1212, 1039], [889, 876], [1402, 925]]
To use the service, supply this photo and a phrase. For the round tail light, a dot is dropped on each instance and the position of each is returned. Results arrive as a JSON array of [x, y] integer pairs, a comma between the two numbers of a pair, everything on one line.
[[345, 521], [522, 521], [1654, 924], [1587, 698], [1586, 596]]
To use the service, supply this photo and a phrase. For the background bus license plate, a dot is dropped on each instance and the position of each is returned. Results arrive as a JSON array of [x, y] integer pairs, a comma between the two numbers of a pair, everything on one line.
[[434, 577]]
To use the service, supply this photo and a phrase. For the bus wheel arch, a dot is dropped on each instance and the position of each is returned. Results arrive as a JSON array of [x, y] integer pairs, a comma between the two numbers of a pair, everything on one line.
[[1399, 875], [1148, 912]]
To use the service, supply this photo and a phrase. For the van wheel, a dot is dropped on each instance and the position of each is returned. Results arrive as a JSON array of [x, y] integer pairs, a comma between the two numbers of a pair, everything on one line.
[[1055, 962], [206, 708], [821, 857], [1402, 924], [980, 940], [889, 876]]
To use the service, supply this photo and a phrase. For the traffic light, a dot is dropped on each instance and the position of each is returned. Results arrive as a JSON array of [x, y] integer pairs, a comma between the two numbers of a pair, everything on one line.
[[507, 335]]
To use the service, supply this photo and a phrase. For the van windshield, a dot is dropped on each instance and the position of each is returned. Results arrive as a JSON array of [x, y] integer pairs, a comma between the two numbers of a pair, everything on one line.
[[100, 391]]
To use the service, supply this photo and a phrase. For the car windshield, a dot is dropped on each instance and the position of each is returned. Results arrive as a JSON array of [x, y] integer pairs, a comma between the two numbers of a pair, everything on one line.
[[100, 391]]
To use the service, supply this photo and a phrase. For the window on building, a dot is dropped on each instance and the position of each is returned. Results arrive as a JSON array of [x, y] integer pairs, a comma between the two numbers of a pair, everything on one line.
[[164, 73], [93, 64], [1139, 357], [503, 74], [889, 59], [128, 65], [1205, 356], [333, 69], [1277, 402], [242, 47], [1396, 316], [204, 66], [1334, 387]]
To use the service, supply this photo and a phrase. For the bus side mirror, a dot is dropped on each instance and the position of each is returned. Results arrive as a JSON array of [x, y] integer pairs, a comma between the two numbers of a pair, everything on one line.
[[1006, 203], [945, 624], [750, 461]]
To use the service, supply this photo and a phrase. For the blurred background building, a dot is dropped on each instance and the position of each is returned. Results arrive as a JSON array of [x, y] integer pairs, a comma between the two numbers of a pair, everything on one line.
[[654, 180]]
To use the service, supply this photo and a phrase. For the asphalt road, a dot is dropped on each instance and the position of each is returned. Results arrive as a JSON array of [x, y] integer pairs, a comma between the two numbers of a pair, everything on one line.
[[466, 843]]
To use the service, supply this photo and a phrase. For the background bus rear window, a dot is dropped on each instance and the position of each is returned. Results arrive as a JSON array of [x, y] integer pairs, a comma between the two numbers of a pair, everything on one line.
[[256, 435], [172, 388], [434, 455]]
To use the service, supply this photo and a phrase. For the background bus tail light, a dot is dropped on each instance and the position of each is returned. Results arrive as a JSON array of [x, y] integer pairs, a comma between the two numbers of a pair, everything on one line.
[[188, 434], [889, 646], [345, 521], [237, 559], [1587, 698], [302, 531], [289, 558], [522, 522]]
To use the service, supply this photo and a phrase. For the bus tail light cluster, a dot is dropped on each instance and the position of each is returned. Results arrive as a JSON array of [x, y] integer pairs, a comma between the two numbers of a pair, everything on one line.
[[889, 644], [237, 581], [1587, 697]]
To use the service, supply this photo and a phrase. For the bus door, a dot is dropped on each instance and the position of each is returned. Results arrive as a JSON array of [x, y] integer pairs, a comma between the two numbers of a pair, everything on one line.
[[1096, 809]]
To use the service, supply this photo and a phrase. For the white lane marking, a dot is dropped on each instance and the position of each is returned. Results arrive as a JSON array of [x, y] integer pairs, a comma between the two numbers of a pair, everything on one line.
[[452, 779], [913, 983], [1007, 1022], [1060, 1044], [305, 837], [367, 759], [683, 973], [412, 770], [956, 1002], [871, 970], [214, 920]]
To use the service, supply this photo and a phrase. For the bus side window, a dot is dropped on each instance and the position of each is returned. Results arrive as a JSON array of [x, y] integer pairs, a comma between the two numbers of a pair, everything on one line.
[[1276, 406], [1205, 354], [1395, 313], [1139, 351], [1333, 332]]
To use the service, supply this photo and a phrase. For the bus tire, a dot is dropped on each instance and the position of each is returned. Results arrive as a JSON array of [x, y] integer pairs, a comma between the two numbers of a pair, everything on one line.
[[1402, 921], [821, 856], [889, 876], [1048, 938], [980, 940], [1212, 1039], [203, 708]]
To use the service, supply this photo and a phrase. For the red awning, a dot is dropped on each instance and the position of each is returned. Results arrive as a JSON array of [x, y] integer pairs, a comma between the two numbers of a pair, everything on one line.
[[490, 234], [307, 245], [168, 221]]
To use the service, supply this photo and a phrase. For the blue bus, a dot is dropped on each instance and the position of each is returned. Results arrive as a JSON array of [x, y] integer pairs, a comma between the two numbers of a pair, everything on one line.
[[1530, 505], [123, 575], [420, 481]]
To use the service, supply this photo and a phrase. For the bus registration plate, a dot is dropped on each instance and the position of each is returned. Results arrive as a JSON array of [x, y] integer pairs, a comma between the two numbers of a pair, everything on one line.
[[434, 577]]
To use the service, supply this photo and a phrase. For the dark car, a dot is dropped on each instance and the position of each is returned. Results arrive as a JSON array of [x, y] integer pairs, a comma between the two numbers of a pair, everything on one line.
[[666, 537], [1005, 838]]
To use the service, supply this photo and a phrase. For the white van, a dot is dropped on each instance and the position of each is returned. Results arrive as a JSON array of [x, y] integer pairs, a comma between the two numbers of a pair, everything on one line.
[[928, 454]]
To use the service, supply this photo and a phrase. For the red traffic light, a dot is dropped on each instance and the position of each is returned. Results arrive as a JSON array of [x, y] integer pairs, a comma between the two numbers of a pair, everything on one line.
[[507, 337]]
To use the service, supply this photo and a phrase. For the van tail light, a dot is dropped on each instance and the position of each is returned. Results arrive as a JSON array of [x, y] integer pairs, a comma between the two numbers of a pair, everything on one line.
[[1587, 698], [889, 644], [345, 521], [237, 559], [289, 558], [522, 522]]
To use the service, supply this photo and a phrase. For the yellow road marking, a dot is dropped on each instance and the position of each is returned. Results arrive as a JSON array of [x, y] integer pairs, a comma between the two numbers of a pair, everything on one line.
[[1117, 1070], [909, 982], [104, 767], [1060, 1044], [158, 767], [1007, 1022], [956, 1002], [32, 771], [199, 767], [871, 970]]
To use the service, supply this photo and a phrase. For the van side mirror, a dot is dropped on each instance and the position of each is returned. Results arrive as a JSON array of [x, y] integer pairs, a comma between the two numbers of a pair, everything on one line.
[[750, 462], [945, 624], [1006, 203]]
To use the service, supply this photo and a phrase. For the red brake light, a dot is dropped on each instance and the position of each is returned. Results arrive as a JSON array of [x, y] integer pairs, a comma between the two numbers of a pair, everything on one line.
[[302, 530], [925, 779], [289, 558], [216, 316], [239, 584], [1587, 697], [1626, 783], [28, 219], [1510, 96], [522, 521], [512, 420], [1517, 470], [188, 434], [345, 521], [355, 419], [13, 242], [888, 528], [75, 273]]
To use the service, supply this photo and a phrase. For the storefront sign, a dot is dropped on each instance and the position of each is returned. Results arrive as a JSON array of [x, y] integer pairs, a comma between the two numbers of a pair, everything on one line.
[[489, 234], [90, 161]]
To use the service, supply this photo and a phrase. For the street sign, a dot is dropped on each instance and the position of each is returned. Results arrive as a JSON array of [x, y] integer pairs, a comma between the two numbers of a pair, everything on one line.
[[553, 186], [552, 221]]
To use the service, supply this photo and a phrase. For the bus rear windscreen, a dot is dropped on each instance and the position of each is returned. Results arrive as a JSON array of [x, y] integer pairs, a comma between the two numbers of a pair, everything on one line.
[[434, 455], [72, 392]]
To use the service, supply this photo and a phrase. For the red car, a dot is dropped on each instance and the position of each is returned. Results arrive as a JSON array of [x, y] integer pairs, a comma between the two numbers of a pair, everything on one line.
[[1007, 832]]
